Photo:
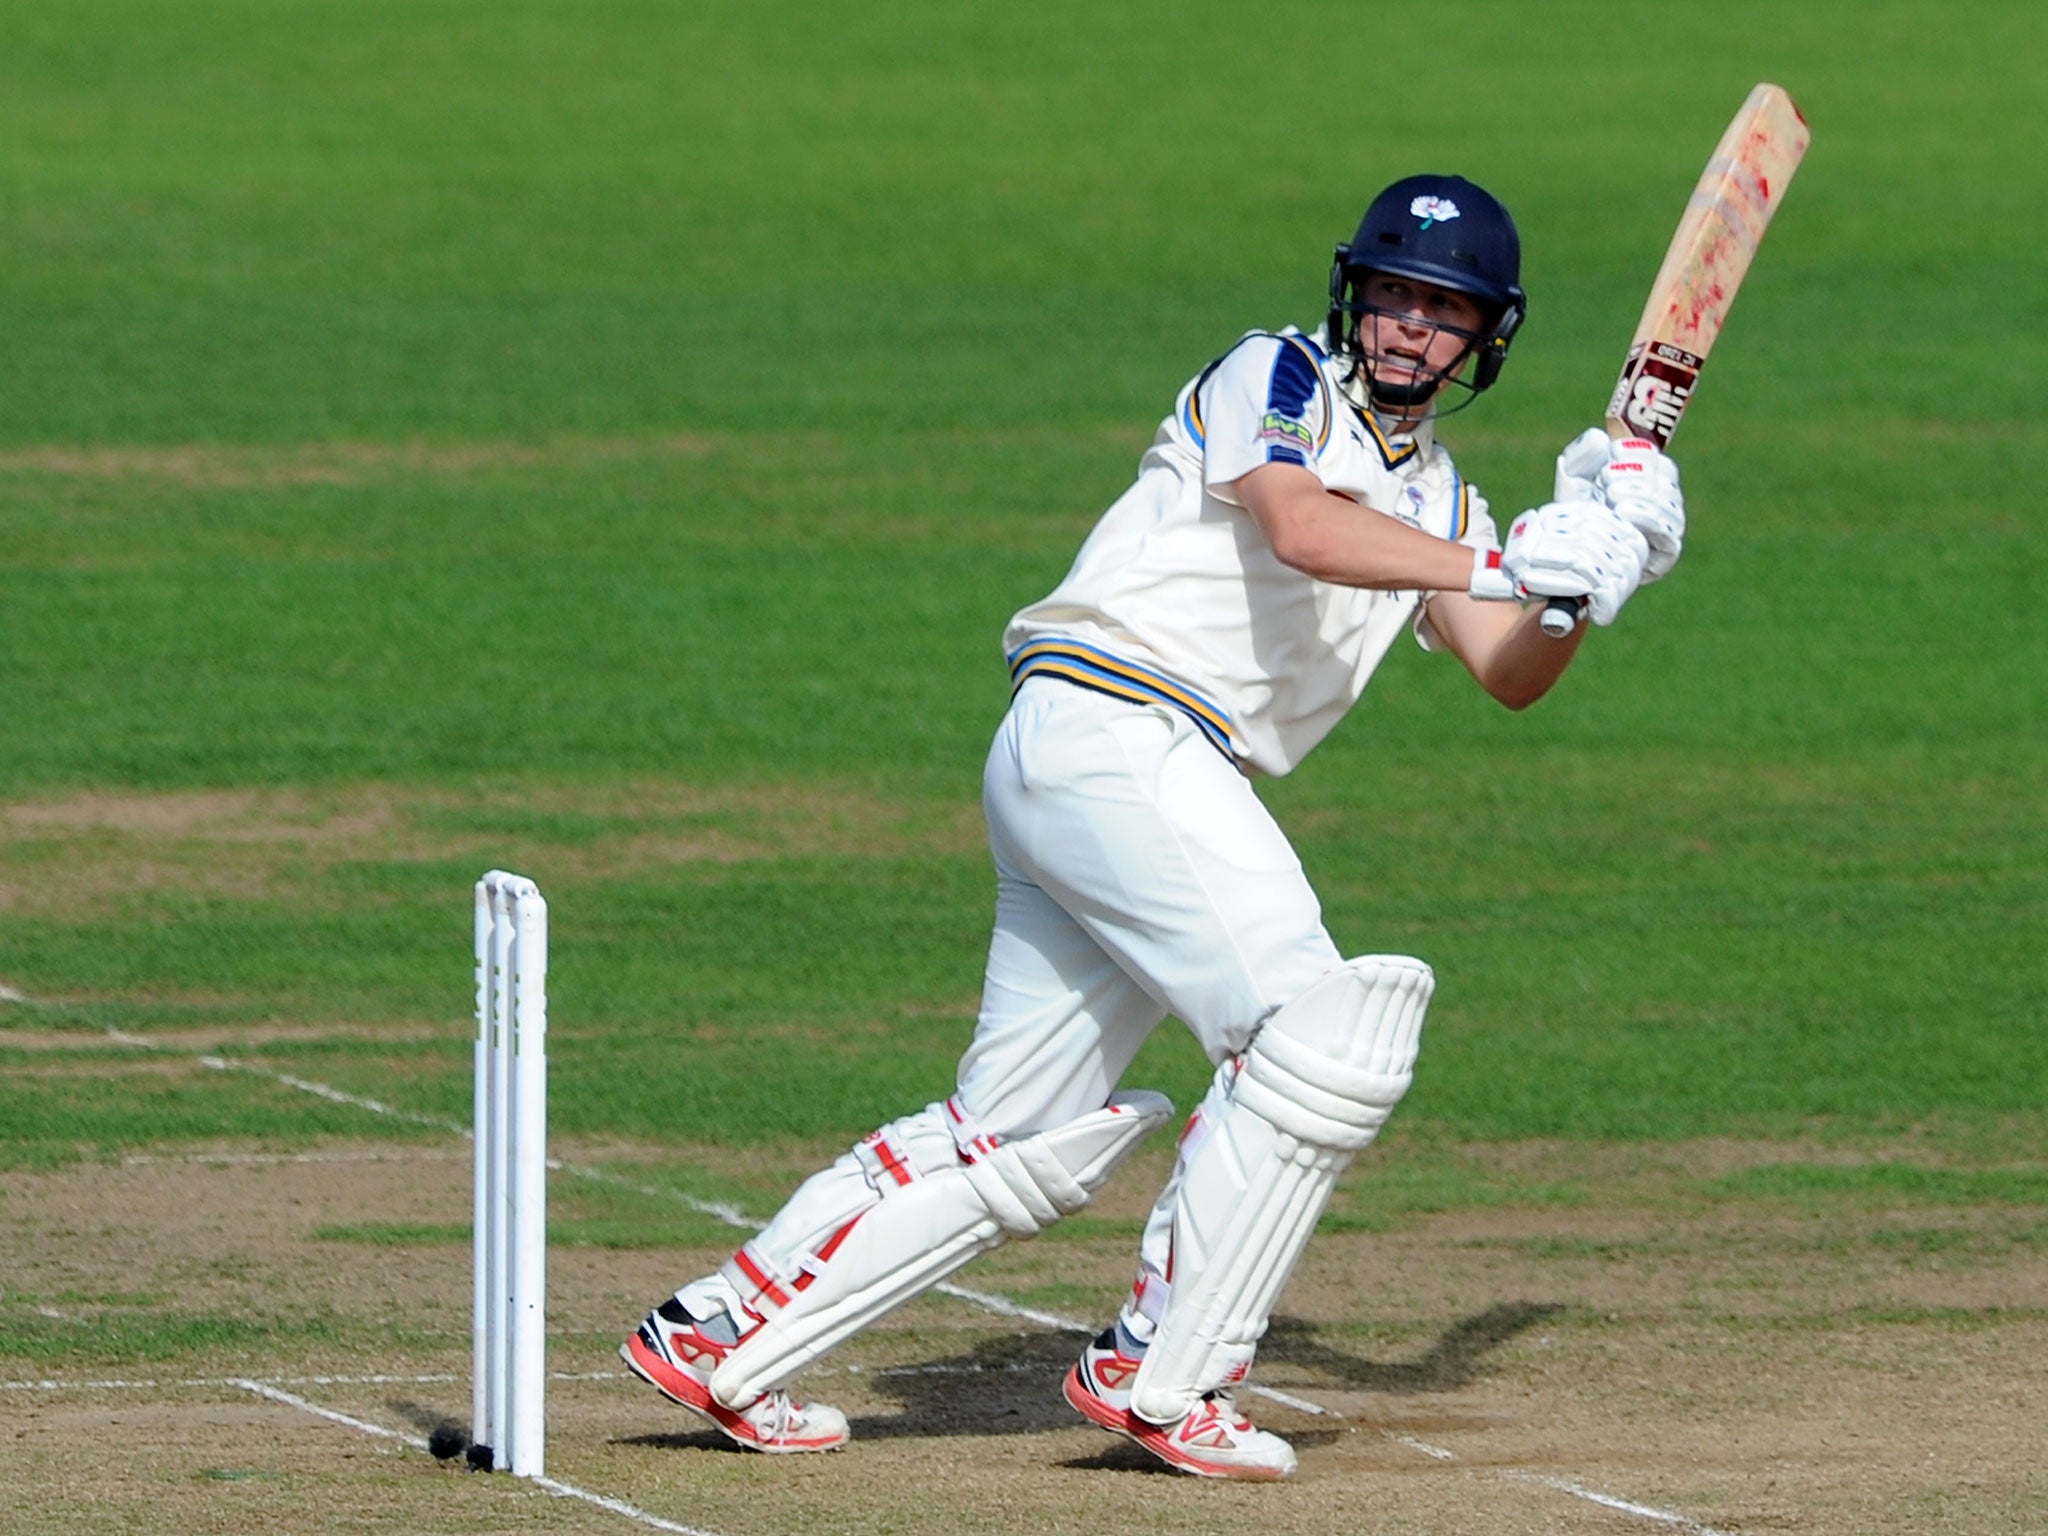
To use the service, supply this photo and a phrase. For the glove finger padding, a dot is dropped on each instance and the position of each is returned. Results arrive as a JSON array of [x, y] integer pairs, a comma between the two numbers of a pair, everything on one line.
[[1576, 549], [1579, 466], [1642, 485], [1630, 475]]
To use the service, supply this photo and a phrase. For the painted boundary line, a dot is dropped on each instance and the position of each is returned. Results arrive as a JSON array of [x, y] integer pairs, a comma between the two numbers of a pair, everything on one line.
[[1002, 1306]]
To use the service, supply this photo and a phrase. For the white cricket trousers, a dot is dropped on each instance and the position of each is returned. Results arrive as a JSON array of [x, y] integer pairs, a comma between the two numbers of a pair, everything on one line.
[[1137, 875]]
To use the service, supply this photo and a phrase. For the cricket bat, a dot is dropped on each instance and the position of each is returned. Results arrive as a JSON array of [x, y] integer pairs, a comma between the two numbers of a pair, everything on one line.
[[1710, 253]]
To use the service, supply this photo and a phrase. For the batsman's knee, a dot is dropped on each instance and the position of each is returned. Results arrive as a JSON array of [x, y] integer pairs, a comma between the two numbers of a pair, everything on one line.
[[1329, 1067]]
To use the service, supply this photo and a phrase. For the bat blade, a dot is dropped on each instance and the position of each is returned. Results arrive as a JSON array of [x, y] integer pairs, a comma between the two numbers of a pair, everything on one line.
[[1710, 253]]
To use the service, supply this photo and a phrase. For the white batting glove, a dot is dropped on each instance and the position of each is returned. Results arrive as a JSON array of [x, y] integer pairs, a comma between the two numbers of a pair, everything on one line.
[[1576, 549], [1631, 476]]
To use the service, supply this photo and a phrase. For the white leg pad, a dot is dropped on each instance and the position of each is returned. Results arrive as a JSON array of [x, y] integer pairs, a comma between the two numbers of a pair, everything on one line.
[[924, 1225], [1313, 1089]]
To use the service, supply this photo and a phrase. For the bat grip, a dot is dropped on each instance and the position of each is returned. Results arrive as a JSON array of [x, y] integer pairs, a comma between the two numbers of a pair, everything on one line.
[[1561, 616]]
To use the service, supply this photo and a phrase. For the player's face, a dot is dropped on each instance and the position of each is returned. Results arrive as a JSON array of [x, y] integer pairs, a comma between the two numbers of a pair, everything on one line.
[[1416, 332]]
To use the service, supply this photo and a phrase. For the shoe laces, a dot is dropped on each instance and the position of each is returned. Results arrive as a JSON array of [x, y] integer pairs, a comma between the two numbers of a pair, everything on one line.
[[1222, 1404], [784, 1413]]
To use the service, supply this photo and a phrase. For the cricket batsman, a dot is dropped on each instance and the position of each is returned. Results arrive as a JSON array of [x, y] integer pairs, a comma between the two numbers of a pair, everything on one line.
[[1293, 517]]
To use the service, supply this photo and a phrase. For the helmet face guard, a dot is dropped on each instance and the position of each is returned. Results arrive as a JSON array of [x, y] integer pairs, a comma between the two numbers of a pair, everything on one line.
[[1441, 230]]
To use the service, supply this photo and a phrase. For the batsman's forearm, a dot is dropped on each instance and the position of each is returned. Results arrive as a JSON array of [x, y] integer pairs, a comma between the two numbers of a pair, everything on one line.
[[1338, 540], [1528, 660], [1359, 547]]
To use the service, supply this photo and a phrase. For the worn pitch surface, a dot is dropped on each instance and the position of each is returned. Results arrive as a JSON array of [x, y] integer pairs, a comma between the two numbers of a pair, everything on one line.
[[1638, 1362]]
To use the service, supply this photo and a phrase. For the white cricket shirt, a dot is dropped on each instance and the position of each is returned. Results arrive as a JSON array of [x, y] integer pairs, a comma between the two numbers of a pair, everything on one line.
[[1176, 597]]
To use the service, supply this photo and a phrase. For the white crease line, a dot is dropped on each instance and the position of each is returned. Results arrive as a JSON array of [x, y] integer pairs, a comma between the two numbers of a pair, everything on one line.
[[131, 1384], [617, 1507], [293, 1400], [559, 1489], [443, 1378], [159, 1384], [731, 1215], [1000, 1305], [279, 1159], [1289, 1400], [1608, 1501], [323, 1091]]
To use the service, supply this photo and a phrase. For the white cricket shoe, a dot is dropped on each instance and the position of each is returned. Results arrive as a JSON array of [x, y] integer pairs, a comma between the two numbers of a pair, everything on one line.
[[673, 1354], [1213, 1440]]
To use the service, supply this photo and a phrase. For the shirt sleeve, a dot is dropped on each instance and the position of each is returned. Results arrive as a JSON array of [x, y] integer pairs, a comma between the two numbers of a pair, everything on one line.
[[1264, 402]]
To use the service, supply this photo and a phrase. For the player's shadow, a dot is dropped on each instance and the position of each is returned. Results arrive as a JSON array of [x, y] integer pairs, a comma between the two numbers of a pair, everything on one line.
[[1455, 1360], [1011, 1385], [1005, 1386], [689, 1440]]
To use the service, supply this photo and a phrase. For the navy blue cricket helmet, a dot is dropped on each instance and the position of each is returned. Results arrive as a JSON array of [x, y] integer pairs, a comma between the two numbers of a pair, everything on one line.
[[1442, 230]]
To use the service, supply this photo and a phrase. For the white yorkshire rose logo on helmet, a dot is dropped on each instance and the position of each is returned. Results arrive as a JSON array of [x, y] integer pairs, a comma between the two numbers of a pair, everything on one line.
[[1433, 210]]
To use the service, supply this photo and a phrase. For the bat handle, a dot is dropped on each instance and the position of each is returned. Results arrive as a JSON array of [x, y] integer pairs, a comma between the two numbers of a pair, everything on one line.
[[1561, 616]]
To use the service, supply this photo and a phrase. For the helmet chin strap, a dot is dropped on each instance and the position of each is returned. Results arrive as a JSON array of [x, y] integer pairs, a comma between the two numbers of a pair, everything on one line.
[[1399, 397], [1405, 399], [1402, 399]]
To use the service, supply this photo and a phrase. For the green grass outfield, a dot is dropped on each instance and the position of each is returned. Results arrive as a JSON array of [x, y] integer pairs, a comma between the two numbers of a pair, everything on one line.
[[606, 439]]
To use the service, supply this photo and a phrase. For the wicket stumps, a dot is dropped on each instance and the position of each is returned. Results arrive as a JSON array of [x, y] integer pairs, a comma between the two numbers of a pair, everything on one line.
[[507, 1425]]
